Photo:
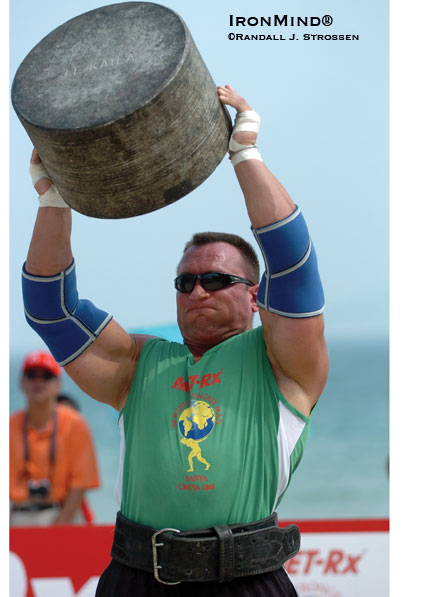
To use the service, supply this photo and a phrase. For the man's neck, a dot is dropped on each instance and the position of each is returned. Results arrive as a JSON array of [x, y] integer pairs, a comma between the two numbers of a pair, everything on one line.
[[39, 414], [198, 349]]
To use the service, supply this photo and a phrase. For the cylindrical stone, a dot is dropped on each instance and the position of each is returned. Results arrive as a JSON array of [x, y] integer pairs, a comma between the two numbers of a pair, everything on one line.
[[122, 110]]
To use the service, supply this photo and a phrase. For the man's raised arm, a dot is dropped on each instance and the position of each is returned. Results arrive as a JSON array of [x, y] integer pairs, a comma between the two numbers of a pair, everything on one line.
[[290, 294], [95, 351]]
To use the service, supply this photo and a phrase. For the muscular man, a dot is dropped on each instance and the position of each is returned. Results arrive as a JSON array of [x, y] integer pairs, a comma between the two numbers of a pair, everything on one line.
[[246, 393]]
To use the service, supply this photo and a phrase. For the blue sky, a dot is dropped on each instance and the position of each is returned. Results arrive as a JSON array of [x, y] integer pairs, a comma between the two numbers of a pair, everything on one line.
[[324, 134]]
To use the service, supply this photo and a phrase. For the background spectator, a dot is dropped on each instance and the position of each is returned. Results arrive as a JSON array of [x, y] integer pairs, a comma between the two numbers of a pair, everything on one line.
[[52, 457]]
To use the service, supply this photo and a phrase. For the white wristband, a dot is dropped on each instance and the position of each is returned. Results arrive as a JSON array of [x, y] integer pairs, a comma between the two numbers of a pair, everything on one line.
[[52, 197], [37, 172], [248, 153]]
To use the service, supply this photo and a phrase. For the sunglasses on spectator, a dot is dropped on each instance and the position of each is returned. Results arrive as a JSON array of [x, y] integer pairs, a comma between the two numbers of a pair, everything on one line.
[[32, 374], [210, 281]]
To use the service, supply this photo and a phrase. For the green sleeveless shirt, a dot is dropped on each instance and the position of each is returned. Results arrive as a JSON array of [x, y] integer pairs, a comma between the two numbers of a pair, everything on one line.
[[206, 443]]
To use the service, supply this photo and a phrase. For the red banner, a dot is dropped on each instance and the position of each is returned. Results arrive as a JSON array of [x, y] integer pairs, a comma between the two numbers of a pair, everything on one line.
[[338, 558], [58, 561]]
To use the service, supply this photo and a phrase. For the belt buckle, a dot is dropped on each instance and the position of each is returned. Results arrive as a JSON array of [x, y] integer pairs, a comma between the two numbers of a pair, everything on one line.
[[156, 566]]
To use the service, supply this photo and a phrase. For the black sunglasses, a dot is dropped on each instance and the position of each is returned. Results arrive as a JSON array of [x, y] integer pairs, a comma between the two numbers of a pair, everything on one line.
[[209, 281], [46, 375]]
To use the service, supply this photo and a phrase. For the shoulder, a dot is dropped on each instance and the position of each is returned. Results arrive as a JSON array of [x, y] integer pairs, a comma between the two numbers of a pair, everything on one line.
[[249, 338], [160, 349], [248, 335], [16, 418], [70, 418]]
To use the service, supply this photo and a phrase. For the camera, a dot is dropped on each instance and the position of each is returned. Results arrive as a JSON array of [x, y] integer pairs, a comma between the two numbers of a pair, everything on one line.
[[39, 489]]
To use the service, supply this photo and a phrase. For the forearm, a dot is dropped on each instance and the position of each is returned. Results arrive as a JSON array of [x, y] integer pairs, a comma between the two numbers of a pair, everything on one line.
[[50, 247], [101, 359], [70, 506], [266, 199], [290, 293]]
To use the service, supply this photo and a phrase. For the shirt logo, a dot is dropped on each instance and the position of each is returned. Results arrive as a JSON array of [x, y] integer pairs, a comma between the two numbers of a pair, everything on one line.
[[209, 379], [195, 418]]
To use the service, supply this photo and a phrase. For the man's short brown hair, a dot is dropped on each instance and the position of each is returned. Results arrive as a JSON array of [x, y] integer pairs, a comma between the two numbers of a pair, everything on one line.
[[244, 248]]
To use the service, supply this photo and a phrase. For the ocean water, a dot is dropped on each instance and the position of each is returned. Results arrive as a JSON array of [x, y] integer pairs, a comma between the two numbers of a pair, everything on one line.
[[343, 473]]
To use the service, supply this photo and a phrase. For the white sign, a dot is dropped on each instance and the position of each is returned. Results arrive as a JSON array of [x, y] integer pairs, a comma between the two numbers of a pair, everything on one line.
[[341, 565]]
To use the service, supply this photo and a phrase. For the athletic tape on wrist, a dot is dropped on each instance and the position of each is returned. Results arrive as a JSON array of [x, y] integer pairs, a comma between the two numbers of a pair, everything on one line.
[[52, 197], [248, 121], [67, 324], [248, 153], [37, 172], [291, 284]]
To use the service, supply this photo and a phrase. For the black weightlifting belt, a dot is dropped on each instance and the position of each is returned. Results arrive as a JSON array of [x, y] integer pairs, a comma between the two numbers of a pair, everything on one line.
[[218, 553]]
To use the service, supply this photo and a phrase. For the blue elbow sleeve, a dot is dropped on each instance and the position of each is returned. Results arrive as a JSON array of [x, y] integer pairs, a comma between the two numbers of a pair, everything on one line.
[[291, 284], [67, 324]]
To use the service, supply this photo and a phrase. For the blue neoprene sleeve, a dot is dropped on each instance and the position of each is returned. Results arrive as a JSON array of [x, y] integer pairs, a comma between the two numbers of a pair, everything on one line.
[[67, 324], [291, 284]]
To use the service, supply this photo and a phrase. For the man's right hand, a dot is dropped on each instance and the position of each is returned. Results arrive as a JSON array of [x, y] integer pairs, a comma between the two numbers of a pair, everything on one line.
[[230, 97]]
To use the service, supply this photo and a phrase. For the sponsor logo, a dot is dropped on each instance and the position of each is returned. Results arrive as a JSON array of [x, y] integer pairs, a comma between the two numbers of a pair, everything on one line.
[[209, 379], [336, 561]]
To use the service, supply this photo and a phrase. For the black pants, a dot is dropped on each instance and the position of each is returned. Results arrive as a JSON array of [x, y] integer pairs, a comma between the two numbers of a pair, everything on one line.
[[119, 580]]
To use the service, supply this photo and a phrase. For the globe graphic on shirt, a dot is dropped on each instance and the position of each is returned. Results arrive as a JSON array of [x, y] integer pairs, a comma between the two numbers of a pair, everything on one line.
[[197, 421]]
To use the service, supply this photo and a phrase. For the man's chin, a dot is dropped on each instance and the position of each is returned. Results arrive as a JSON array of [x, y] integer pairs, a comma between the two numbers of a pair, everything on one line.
[[39, 397], [199, 320], [201, 331]]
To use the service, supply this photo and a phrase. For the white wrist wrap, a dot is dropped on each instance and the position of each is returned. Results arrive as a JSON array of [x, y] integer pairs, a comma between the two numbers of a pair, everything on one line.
[[52, 197], [248, 121], [245, 121], [248, 153]]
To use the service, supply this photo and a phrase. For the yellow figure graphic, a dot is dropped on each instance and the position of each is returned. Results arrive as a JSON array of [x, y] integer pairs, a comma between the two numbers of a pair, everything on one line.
[[195, 424], [195, 453]]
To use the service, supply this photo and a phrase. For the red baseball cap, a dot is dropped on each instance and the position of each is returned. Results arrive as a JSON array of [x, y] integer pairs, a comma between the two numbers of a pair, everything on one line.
[[40, 358]]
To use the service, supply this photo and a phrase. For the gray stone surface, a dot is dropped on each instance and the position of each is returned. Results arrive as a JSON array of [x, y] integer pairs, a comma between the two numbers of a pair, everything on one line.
[[122, 110]]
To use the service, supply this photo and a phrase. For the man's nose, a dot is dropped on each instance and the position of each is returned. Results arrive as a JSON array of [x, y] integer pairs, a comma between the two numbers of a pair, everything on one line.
[[198, 290]]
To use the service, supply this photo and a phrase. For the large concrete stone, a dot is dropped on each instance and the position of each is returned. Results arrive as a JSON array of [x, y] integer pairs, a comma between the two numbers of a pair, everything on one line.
[[122, 110]]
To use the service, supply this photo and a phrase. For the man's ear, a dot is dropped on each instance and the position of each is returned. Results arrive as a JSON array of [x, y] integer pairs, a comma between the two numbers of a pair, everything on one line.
[[254, 291]]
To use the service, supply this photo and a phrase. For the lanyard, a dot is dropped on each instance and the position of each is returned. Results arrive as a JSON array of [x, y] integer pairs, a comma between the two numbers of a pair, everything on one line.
[[52, 450]]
